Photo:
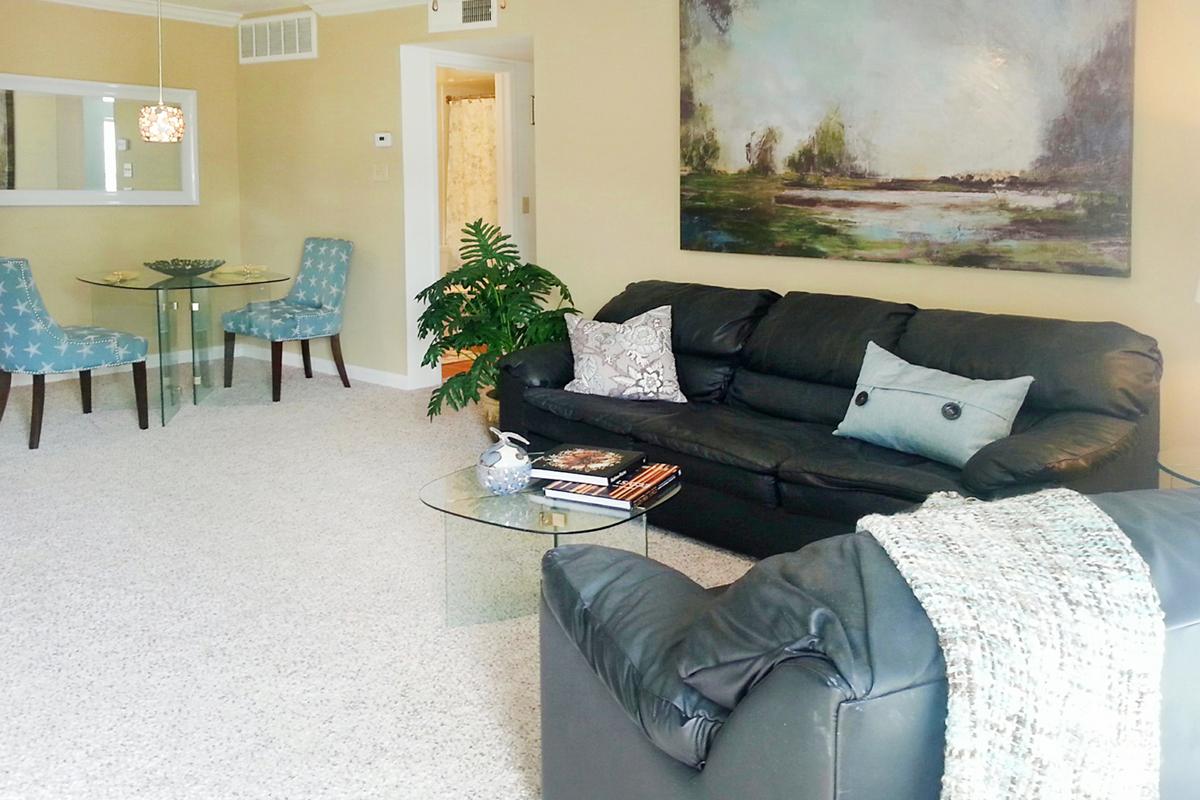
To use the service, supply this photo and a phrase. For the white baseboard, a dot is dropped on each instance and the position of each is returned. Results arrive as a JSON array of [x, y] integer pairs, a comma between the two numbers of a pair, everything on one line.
[[291, 358], [325, 366]]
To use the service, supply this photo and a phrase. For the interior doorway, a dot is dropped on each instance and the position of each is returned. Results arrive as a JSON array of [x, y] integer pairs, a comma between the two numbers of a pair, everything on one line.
[[468, 136], [468, 167]]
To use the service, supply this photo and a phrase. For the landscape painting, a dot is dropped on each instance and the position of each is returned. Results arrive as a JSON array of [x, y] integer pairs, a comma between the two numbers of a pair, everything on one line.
[[965, 133]]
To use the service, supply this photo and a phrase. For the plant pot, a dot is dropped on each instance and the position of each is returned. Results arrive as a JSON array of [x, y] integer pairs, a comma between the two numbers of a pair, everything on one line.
[[489, 402]]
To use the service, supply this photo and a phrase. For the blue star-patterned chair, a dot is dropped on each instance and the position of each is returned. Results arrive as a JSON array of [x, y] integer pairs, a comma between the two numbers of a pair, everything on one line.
[[32, 343], [312, 310]]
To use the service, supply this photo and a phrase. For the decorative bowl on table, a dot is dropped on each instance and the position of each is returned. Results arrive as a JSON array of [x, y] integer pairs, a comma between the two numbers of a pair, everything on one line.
[[185, 267]]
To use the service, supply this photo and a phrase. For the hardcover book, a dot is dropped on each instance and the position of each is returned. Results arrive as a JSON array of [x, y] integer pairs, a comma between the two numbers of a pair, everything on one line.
[[593, 465], [626, 493]]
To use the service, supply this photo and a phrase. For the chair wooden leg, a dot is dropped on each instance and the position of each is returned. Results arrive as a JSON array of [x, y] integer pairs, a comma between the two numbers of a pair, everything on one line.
[[139, 392], [307, 353], [230, 341], [39, 407], [85, 390], [5, 388], [276, 370], [335, 342]]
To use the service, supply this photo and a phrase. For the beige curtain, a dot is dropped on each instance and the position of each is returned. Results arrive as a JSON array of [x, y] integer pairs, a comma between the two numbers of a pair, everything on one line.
[[470, 167]]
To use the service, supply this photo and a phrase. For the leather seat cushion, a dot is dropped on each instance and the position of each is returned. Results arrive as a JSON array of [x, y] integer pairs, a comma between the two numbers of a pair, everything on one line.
[[843, 463], [627, 616], [755, 487], [612, 414], [733, 436]]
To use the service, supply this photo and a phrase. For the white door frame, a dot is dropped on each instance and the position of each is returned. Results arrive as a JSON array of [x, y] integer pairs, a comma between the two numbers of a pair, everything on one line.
[[422, 212]]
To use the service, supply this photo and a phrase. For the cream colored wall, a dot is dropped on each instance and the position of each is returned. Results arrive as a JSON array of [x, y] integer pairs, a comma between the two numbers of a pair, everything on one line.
[[61, 41], [307, 164], [607, 169]]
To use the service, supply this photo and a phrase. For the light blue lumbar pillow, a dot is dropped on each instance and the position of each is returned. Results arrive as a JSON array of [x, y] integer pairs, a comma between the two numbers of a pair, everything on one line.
[[939, 415]]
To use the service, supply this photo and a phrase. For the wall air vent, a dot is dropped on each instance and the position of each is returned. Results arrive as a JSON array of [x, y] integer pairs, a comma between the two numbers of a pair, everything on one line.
[[285, 37], [462, 15]]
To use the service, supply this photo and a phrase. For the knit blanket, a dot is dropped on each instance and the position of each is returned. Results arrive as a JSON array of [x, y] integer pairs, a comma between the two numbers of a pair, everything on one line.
[[1053, 638]]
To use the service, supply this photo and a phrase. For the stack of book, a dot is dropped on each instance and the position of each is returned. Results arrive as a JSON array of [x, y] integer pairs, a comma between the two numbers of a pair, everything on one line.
[[598, 476]]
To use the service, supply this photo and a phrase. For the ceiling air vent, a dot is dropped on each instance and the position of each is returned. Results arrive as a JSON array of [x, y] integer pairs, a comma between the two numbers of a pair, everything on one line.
[[281, 38], [462, 15]]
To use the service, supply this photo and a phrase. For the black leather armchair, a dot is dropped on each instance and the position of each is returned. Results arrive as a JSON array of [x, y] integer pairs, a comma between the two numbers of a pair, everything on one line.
[[655, 689]]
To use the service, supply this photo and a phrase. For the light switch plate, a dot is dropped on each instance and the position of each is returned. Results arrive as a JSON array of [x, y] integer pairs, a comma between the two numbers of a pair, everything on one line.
[[383, 139]]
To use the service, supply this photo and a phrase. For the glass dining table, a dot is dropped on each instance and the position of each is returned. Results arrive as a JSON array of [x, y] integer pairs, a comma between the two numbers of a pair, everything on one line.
[[185, 317]]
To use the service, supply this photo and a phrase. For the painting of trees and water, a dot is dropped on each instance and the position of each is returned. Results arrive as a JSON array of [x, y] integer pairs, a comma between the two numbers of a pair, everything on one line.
[[965, 133]]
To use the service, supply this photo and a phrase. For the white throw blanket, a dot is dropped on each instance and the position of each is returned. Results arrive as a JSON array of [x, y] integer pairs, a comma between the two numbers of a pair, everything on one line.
[[1053, 638]]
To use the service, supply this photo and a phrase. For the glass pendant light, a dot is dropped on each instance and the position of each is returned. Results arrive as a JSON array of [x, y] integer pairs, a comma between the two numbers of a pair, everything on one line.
[[161, 123]]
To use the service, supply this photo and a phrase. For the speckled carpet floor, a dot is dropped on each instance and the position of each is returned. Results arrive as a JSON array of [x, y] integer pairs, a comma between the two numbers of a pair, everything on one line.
[[250, 603]]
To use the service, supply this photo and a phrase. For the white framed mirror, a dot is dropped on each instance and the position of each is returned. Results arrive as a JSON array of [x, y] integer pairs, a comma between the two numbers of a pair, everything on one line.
[[76, 143]]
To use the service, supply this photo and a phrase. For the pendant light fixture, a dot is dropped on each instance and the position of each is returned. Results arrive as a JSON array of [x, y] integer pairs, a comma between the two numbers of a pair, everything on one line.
[[161, 123]]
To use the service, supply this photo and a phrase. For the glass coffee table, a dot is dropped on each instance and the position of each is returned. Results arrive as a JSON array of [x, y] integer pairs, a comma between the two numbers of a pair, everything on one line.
[[494, 544]]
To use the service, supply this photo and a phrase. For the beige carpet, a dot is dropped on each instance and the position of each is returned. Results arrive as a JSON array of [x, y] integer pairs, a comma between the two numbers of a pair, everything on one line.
[[250, 603]]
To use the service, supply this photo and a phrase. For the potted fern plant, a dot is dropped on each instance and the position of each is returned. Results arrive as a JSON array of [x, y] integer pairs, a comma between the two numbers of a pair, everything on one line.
[[492, 305]]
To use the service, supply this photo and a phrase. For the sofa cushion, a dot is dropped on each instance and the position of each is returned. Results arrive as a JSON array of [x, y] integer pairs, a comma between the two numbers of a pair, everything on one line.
[[733, 436], [756, 487], [841, 463], [627, 616], [608, 413], [789, 398], [821, 338], [710, 325], [1081, 366]]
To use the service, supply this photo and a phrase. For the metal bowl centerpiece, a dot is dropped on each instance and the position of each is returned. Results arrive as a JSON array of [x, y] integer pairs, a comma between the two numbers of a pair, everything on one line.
[[185, 267]]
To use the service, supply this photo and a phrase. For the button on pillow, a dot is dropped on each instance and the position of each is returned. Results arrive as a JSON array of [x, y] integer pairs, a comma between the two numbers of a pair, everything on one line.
[[939, 415]]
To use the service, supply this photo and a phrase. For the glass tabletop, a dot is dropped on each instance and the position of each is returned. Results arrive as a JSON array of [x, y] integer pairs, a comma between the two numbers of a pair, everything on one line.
[[146, 279], [460, 495]]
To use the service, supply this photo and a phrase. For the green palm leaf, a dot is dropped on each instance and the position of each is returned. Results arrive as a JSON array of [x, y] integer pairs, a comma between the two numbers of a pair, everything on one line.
[[494, 301]]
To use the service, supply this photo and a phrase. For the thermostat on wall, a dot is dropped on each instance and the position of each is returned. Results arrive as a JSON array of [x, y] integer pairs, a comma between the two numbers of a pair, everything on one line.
[[383, 139]]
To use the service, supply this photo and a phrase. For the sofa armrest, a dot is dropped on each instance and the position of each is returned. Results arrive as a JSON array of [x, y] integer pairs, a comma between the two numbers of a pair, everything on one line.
[[1061, 448], [799, 734], [549, 365]]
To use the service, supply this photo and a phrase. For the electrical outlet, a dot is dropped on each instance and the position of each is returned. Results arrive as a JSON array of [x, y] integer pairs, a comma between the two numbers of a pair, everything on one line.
[[379, 173]]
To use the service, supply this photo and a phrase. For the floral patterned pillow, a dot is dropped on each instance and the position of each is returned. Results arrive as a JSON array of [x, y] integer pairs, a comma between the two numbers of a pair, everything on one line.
[[631, 360]]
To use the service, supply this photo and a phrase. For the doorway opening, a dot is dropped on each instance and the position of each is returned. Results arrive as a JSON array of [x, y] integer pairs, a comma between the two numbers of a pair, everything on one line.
[[467, 169], [467, 128]]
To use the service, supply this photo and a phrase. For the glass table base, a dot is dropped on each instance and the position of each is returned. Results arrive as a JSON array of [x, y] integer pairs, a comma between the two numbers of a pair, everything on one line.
[[494, 573], [185, 320]]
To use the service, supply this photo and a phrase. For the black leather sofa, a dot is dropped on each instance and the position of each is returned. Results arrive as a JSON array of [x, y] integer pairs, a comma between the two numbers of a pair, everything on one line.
[[821, 725], [768, 378]]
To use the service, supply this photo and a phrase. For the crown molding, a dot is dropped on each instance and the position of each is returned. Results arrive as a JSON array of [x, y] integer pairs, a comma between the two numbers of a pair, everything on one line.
[[147, 8], [339, 8]]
